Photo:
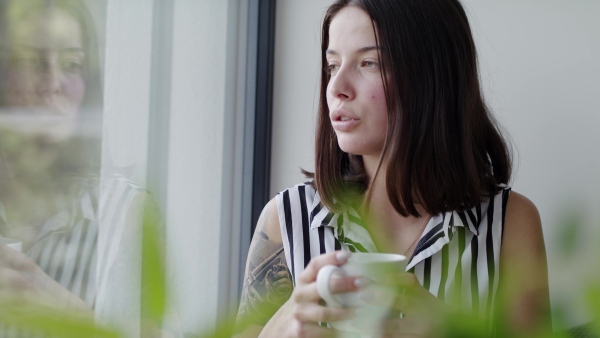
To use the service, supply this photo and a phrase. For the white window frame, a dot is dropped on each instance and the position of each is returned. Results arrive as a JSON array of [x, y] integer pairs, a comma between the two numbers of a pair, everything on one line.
[[177, 119]]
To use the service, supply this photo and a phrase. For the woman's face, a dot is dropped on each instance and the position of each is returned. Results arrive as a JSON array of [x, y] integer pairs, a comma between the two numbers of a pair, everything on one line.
[[45, 77], [355, 92]]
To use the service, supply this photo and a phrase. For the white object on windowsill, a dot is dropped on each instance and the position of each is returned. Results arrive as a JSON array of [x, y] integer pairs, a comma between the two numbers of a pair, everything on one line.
[[12, 243]]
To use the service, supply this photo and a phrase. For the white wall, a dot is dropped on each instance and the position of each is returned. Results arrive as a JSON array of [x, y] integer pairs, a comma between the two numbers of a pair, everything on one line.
[[295, 90], [540, 75]]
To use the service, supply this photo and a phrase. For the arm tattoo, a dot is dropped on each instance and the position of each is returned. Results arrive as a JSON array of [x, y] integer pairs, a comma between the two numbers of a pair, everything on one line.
[[267, 284]]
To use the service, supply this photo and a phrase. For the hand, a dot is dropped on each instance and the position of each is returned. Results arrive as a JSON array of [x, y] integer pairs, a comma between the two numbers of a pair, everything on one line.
[[21, 278], [422, 313], [300, 315]]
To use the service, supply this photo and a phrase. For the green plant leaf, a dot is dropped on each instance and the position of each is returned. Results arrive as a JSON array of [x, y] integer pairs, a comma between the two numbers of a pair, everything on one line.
[[36, 318]]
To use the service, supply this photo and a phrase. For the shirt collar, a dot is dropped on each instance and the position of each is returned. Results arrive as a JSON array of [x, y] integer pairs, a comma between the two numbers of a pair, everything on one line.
[[350, 230], [321, 216], [468, 219], [348, 227]]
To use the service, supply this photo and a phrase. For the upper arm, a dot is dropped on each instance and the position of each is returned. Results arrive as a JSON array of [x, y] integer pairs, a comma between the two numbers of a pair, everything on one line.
[[524, 295], [267, 281]]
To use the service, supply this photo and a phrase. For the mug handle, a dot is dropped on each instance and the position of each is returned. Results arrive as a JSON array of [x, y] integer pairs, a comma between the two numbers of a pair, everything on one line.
[[323, 278]]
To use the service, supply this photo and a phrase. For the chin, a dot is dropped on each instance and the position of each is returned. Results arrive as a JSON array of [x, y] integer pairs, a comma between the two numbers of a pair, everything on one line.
[[359, 147], [352, 149]]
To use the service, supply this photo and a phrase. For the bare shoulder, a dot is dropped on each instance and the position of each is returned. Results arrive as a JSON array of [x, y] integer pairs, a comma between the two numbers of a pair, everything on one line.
[[267, 281], [268, 222], [266, 240], [522, 223], [524, 272], [520, 206]]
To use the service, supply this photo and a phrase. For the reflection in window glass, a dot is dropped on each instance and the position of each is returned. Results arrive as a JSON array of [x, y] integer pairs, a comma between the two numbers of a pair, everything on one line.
[[74, 157], [50, 101], [52, 198]]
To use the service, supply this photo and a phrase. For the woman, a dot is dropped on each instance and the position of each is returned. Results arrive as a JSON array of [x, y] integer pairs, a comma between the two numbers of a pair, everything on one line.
[[50, 104], [54, 199], [49, 97], [410, 161]]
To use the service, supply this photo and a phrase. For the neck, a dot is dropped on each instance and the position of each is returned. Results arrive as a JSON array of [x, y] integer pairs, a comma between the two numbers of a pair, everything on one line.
[[391, 231], [371, 162]]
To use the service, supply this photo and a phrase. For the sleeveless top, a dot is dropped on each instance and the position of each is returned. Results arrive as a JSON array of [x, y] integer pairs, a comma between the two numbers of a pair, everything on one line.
[[456, 258], [68, 247]]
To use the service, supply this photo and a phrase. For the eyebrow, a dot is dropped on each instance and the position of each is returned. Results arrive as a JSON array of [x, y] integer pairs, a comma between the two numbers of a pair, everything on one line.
[[360, 50]]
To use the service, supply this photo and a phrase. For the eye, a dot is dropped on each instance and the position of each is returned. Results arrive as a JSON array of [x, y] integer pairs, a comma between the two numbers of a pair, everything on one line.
[[332, 68], [26, 61], [369, 64], [72, 66], [71, 62]]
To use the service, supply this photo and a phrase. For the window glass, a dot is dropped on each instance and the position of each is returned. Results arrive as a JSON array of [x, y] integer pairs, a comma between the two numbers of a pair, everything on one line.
[[71, 222], [115, 164]]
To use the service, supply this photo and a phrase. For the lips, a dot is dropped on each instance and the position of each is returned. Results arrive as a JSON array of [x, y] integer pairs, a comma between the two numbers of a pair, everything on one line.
[[52, 106], [342, 120]]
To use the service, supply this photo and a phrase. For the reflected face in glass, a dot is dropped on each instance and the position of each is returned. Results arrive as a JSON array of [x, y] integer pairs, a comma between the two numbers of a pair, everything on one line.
[[46, 72], [355, 92]]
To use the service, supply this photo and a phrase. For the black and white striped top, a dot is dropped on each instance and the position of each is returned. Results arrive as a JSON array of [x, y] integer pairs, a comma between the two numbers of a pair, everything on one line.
[[457, 256], [67, 248]]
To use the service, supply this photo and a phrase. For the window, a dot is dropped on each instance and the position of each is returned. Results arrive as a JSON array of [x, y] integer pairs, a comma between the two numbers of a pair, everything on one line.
[[164, 122]]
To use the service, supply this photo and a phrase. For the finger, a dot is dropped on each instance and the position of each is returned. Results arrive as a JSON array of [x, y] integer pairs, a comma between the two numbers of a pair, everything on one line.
[[11, 258], [333, 258], [314, 313], [309, 293], [343, 284], [5, 254], [313, 330], [14, 281]]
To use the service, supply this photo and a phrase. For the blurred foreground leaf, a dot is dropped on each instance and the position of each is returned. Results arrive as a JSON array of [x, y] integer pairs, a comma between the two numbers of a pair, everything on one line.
[[153, 268], [36, 318], [570, 232], [593, 303]]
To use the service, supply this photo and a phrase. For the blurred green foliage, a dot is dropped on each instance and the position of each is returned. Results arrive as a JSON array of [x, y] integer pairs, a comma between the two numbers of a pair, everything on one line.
[[35, 176], [570, 232], [153, 270], [31, 318], [63, 323]]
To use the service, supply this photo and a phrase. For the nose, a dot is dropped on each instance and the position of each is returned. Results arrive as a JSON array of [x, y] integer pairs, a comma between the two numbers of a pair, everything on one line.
[[340, 84], [49, 82]]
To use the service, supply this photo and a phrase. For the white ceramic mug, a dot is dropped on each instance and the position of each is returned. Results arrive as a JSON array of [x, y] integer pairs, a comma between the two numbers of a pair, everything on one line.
[[12, 243], [375, 267]]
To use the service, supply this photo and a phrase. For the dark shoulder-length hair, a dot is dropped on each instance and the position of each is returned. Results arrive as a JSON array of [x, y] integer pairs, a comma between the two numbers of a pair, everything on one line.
[[443, 148]]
